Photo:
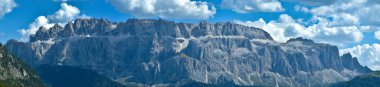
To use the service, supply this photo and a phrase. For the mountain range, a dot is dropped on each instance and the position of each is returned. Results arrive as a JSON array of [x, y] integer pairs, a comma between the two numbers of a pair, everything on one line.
[[150, 52]]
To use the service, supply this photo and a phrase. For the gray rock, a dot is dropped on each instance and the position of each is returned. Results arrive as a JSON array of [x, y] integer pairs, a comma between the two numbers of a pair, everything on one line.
[[46, 34], [353, 64], [153, 52]]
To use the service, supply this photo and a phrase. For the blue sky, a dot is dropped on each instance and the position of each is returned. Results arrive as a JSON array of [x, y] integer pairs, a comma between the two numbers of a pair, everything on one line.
[[349, 24]]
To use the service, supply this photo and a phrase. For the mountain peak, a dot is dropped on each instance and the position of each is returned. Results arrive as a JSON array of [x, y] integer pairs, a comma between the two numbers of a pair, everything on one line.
[[352, 63], [12, 41], [46, 34], [56, 26], [90, 20], [135, 20], [90, 27], [348, 55], [203, 22], [300, 39], [42, 28]]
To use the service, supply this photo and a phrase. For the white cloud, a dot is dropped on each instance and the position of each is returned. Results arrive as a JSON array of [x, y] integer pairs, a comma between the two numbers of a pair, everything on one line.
[[325, 26], [180, 9], [339, 36], [353, 15], [352, 12], [246, 6], [33, 27], [339, 22], [313, 2], [368, 55], [286, 27], [6, 6], [64, 15], [282, 29], [347, 13], [377, 35]]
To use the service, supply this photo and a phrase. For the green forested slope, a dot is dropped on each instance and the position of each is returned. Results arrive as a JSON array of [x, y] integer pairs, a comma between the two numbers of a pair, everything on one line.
[[15, 73]]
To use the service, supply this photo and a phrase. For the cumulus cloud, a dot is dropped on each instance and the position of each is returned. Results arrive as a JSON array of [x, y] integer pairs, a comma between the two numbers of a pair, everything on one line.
[[246, 6], [6, 6], [282, 29], [377, 35], [338, 22], [33, 27], [180, 9], [64, 15], [352, 12], [352, 15], [326, 25], [313, 2], [368, 55], [286, 27]]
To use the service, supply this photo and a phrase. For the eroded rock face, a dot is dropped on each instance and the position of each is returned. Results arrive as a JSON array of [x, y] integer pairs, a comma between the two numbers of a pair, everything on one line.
[[46, 34], [164, 52]]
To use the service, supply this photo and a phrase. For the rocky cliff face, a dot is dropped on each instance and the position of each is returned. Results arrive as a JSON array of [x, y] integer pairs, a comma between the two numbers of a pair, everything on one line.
[[15, 73], [164, 52]]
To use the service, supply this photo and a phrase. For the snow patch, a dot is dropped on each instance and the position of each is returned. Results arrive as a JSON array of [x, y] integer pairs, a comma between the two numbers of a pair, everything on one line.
[[213, 36], [254, 42], [113, 26], [50, 41], [180, 44]]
